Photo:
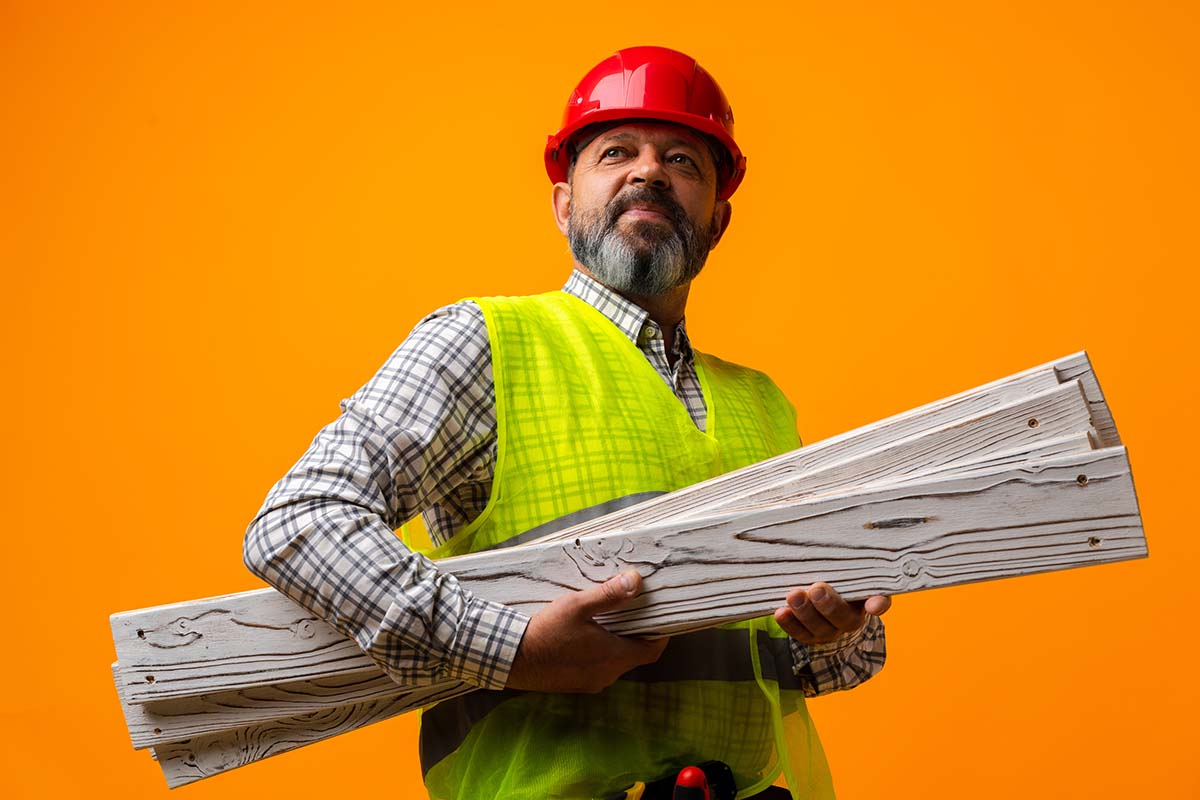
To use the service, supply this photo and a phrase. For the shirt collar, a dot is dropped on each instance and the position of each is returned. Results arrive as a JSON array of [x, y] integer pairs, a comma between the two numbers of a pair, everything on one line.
[[629, 317]]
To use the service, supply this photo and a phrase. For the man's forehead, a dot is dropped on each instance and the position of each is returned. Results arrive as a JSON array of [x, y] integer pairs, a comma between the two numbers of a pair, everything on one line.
[[671, 134]]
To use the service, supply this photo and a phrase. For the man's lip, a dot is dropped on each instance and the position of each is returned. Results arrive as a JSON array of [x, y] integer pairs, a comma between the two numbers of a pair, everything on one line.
[[646, 213]]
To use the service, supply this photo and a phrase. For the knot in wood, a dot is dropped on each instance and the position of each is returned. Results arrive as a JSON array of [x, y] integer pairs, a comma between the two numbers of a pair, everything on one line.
[[305, 629], [596, 561], [911, 566]]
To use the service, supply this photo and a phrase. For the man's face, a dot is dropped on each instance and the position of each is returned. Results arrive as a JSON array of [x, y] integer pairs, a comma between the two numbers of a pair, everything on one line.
[[641, 210]]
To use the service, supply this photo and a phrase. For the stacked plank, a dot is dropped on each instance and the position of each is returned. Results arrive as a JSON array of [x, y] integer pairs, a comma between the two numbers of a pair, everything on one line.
[[1023, 475]]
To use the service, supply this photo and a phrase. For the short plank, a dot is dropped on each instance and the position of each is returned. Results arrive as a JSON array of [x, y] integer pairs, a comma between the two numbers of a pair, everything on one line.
[[202, 757], [163, 722]]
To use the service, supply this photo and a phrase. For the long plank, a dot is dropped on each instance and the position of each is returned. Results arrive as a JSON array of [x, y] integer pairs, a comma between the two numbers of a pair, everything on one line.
[[192, 648], [722, 490], [1081, 368], [1011, 428], [1061, 512], [1037, 516], [948, 447]]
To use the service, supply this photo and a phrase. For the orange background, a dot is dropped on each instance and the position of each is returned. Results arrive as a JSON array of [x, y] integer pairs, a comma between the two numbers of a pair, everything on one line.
[[218, 219]]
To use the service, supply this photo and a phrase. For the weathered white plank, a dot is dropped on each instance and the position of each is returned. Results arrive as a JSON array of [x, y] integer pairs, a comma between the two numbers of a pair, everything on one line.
[[171, 720], [198, 647], [1010, 429], [1062, 512], [725, 490], [1038, 516], [1079, 367], [204, 756], [1069, 368], [159, 650], [155, 724]]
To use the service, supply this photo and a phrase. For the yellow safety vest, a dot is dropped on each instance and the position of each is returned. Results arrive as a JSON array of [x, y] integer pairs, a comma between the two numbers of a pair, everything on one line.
[[587, 425]]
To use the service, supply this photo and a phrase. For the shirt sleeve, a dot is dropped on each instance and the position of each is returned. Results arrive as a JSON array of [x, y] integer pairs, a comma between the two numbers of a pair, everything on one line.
[[844, 663], [422, 426]]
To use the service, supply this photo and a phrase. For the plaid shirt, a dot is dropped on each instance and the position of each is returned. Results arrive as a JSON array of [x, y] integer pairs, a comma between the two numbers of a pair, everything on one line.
[[420, 437]]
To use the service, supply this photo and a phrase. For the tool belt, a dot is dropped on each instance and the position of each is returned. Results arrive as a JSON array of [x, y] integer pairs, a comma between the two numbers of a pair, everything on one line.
[[717, 773]]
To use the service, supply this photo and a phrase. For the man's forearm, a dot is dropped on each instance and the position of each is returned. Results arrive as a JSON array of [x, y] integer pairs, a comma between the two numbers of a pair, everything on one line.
[[418, 624]]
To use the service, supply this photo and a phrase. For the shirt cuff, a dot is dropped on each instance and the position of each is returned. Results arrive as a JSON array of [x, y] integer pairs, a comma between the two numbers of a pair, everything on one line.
[[843, 663], [486, 644]]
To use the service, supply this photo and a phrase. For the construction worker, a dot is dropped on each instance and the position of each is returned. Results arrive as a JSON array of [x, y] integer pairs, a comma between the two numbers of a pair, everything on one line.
[[503, 419]]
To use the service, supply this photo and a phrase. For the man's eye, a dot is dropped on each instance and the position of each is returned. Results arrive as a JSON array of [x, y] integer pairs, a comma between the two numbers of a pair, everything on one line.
[[680, 158], [613, 152]]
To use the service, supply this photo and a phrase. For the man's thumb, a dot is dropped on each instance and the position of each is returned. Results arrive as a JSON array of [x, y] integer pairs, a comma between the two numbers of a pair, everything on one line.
[[611, 594]]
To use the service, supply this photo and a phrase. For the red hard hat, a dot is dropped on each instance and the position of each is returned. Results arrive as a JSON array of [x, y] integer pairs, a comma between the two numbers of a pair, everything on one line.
[[648, 83]]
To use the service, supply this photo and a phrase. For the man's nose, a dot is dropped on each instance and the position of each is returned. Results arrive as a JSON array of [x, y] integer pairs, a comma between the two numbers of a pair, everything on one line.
[[650, 169]]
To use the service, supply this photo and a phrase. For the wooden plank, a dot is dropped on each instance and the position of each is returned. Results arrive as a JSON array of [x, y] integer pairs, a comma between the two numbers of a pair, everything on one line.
[[173, 641], [183, 718], [202, 757], [1079, 367], [723, 490], [1056, 513], [1015, 520], [155, 724], [192, 648], [1042, 416]]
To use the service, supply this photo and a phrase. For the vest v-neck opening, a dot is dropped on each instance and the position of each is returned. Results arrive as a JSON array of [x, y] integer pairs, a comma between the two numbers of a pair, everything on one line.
[[681, 407]]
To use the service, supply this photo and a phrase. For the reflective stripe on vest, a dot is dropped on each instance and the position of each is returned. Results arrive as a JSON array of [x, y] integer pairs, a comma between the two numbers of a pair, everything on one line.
[[717, 654]]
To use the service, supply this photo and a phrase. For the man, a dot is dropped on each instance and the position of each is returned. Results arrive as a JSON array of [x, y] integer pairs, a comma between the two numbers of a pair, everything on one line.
[[501, 419]]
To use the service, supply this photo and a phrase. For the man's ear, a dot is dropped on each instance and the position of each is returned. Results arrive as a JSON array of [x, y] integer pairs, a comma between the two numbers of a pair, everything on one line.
[[721, 214], [560, 198]]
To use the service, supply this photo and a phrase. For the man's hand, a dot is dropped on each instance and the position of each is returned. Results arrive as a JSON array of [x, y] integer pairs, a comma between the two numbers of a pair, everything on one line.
[[820, 615], [564, 650]]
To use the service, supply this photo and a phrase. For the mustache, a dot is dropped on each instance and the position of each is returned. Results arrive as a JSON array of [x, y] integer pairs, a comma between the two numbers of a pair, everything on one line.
[[645, 197]]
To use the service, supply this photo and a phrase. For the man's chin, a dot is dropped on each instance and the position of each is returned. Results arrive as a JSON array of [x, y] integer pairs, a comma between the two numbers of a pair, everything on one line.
[[654, 227], [641, 284]]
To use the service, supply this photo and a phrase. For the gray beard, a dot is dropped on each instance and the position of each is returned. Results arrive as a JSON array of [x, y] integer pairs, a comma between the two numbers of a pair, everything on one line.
[[645, 258]]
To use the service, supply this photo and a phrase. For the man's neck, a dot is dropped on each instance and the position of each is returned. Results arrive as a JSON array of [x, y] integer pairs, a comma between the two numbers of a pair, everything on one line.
[[665, 309]]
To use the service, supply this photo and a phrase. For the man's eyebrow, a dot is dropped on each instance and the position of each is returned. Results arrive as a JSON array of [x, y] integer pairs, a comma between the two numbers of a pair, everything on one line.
[[624, 136]]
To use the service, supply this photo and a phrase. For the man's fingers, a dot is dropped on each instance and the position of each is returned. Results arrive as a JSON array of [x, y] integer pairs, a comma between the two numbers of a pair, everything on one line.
[[877, 605], [830, 605], [608, 596], [801, 605], [793, 627]]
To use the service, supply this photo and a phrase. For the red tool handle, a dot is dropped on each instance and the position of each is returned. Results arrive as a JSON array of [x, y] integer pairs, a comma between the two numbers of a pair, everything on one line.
[[691, 785]]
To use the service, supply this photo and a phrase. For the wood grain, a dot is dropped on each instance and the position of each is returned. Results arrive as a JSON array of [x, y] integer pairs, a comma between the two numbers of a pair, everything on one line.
[[216, 724], [171, 720], [256, 638], [1054, 513], [725, 489], [155, 724], [1013, 520], [202, 757]]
